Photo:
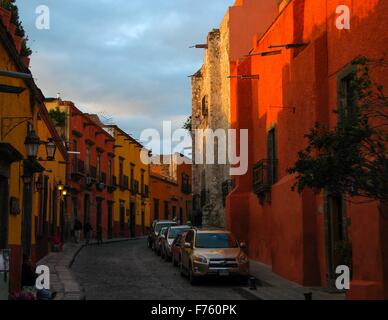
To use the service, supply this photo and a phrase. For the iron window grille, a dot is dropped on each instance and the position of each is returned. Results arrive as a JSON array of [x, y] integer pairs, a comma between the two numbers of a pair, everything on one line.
[[264, 176]]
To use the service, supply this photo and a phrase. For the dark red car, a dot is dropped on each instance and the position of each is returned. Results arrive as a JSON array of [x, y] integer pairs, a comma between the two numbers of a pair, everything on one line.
[[176, 248]]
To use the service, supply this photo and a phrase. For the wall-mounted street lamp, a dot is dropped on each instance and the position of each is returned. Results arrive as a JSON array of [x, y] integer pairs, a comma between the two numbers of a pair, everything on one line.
[[51, 148], [27, 179], [63, 192], [60, 186], [32, 143], [39, 184]]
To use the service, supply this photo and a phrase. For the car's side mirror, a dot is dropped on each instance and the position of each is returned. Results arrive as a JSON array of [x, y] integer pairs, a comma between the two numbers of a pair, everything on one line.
[[243, 245], [188, 245]]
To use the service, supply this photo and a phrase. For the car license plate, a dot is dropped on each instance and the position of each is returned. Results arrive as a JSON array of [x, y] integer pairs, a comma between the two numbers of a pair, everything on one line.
[[223, 273]]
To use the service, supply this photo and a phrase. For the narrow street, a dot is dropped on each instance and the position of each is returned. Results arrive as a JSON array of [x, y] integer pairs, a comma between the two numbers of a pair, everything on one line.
[[131, 271]]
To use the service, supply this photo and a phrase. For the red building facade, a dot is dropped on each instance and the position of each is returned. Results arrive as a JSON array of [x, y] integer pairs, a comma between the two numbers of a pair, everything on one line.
[[297, 234], [171, 192], [90, 168]]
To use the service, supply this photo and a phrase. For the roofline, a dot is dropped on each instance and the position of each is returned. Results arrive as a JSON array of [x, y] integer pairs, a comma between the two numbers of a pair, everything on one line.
[[114, 126], [163, 178]]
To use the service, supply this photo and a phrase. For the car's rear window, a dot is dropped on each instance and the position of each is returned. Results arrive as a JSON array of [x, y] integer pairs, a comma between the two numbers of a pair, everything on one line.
[[215, 241], [159, 226], [175, 231]]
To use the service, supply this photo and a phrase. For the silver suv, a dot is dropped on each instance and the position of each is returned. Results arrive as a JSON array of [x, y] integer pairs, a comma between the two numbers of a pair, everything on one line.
[[208, 252]]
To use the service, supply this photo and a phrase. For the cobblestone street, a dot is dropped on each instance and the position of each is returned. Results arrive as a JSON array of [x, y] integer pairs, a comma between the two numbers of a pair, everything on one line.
[[129, 270]]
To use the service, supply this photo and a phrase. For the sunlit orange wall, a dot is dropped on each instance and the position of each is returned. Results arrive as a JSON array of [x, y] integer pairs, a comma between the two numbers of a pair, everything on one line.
[[288, 232]]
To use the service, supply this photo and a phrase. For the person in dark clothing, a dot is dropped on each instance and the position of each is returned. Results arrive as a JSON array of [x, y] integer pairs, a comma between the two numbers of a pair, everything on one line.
[[77, 230], [87, 232], [99, 234]]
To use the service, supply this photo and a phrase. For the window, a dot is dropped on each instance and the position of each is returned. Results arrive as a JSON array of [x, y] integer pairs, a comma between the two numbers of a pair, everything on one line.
[[166, 213], [272, 174], [348, 99], [156, 209], [121, 171], [122, 217], [142, 183], [87, 159], [205, 107], [132, 178], [99, 165], [186, 187], [75, 142], [215, 241], [110, 172]]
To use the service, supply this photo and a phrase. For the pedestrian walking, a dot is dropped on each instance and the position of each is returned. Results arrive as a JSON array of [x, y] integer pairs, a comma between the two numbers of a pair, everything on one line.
[[77, 230], [99, 234], [87, 232]]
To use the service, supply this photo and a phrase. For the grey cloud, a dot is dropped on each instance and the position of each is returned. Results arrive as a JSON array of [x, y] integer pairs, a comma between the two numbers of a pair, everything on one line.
[[128, 57]]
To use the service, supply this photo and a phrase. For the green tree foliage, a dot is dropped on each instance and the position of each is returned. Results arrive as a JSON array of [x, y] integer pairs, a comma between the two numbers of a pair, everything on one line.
[[188, 124], [58, 117], [15, 19], [350, 159]]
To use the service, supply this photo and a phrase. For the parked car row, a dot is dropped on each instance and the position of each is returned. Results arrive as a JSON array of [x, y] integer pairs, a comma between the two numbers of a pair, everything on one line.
[[199, 253]]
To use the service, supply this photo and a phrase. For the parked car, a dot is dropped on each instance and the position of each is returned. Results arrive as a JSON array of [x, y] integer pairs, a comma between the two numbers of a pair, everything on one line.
[[159, 240], [176, 248], [167, 241], [209, 252], [157, 225]]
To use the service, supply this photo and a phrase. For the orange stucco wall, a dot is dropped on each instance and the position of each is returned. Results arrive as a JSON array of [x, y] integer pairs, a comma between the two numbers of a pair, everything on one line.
[[296, 89], [169, 190]]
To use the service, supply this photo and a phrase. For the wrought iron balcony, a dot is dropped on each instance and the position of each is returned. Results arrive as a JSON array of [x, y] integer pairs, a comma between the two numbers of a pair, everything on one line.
[[112, 185], [124, 182], [264, 176], [93, 172], [101, 183], [146, 192], [78, 169], [186, 188]]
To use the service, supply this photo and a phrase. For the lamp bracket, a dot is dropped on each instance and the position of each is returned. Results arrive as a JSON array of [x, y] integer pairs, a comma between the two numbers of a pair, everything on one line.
[[8, 124]]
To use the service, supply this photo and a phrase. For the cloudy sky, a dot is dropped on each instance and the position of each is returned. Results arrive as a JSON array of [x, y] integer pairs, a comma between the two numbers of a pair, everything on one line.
[[128, 59]]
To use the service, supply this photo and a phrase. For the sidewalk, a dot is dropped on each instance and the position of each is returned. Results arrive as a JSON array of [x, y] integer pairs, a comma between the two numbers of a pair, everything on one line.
[[270, 286], [62, 280]]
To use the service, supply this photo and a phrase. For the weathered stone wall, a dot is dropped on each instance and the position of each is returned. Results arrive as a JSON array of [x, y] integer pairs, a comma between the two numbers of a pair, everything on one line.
[[211, 82]]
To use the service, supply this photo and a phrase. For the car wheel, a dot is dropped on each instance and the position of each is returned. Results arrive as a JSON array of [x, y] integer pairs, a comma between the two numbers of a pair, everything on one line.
[[192, 278]]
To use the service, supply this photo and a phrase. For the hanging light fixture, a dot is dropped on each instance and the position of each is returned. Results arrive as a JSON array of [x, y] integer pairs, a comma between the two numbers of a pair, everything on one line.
[[51, 148], [32, 143], [61, 187]]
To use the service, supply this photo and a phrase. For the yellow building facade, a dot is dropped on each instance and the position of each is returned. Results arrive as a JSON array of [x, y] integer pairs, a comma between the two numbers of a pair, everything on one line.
[[132, 181], [22, 119]]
